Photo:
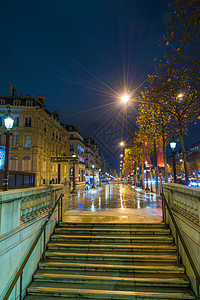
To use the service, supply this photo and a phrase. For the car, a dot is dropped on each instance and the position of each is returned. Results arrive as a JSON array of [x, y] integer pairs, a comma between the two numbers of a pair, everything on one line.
[[193, 182]]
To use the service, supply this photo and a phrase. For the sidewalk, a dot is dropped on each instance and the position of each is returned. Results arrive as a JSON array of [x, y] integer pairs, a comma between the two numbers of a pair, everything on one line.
[[113, 204]]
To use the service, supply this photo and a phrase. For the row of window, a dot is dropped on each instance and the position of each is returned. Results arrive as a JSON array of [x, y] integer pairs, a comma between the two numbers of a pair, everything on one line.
[[15, 140], [16, 122], [17, 102]]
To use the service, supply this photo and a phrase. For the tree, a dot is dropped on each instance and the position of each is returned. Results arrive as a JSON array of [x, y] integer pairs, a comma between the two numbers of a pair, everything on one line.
[[182, 38]]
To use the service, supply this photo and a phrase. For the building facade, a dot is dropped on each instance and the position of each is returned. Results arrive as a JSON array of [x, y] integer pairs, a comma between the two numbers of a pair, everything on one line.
[[77, 147], [37, 135]]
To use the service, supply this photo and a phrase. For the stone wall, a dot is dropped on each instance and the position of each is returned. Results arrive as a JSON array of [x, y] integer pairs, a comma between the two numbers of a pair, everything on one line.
[[22, 214], [185, 203]]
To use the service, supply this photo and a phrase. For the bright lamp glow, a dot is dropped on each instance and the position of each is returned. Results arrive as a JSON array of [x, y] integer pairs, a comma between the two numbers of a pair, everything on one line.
[[180, 95], [125, 98], [92, 166], [121, 143], [121, 155], [173, 145], [8, 120], [121, 161]]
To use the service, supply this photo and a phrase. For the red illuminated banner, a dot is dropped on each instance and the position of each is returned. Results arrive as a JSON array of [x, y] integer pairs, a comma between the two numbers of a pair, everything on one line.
[[146, 150], [160, 155]]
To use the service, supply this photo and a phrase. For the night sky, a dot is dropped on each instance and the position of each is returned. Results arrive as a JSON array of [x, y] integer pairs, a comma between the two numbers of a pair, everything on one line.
[[81, 55]]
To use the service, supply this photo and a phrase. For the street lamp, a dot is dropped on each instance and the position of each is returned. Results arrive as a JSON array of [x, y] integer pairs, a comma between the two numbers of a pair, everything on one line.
[[93, 186], [121, 144], [8, 122], [74, 191], [173, 146], [99, 177], [121, 155], [125, 98], [147, 186]]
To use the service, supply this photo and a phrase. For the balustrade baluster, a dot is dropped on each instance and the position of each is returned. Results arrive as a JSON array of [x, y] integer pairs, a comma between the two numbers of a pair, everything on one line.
[[23, 210]]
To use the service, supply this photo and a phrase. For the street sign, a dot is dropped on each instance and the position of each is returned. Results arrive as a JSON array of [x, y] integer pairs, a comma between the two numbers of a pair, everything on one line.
[[63, 159]]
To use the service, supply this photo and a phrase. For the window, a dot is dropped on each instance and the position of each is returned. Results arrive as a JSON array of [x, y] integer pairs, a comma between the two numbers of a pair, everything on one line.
[[27, 141], [27, 122], [71, 136], [29, 103], [71, 147], [14, 163], [16, 122], [44, 165], [1, 121], [45, 129], [26, 164], [2, 102], [15, 138], [16, 102]]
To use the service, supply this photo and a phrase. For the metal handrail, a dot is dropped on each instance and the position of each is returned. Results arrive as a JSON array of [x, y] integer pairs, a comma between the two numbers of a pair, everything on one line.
[[182, 240], [20, 271]]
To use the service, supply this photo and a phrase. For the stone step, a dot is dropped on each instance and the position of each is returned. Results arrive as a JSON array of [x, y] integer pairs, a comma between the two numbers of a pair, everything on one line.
[[113, 231], [105, 248], [114, 239], [108, 267], [48, 289], [131, 258], [178, 282], [112, 225]]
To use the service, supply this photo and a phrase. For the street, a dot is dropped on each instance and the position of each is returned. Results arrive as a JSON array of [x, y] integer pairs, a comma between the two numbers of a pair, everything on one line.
[[113, 202]]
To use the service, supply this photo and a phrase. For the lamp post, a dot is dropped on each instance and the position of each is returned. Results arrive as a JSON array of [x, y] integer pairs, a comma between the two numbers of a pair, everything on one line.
[[8, 122], [147, 186], [74, 191], [99, 177], [173, 146], [93, 186]]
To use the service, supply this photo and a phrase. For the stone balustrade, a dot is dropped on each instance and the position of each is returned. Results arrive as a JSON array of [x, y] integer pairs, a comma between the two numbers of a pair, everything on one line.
[[20, 206], [22, 214], [184, 200]]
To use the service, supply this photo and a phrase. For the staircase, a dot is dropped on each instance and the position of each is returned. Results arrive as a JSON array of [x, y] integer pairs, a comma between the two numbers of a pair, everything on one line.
[[110, 261]]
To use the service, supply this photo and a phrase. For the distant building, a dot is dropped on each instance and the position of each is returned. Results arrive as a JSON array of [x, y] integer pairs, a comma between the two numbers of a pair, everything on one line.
[[38, 135], [41, 145], [77, 146], [192, 157]]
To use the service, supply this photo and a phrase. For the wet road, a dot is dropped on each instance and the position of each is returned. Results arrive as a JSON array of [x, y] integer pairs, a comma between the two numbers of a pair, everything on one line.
[[113, 200]]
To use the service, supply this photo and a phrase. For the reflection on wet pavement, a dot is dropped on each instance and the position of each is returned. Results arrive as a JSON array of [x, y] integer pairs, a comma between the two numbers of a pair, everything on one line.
[[113, 199]]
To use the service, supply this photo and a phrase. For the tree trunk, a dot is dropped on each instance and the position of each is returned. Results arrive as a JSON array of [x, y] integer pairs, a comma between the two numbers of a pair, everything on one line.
[[183, 154], [142, 176], [165, 159], [155, 166]]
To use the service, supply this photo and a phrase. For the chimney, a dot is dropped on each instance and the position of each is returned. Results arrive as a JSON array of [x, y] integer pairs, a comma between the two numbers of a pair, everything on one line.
[[12, 91]]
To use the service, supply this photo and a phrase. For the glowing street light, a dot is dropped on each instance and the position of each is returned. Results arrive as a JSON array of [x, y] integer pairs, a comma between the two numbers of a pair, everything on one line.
[[121, 144], [173, 146], [93, 186], [121, 155], [121, 161], [125, 98], [74, 160], [8, 122], [180, 95]]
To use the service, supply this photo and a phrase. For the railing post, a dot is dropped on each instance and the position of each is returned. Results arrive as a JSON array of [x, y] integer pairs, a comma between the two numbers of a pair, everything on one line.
[[20, 287], [177, 249], [198, 294], [58, 211], [44, 244], [61, 207]]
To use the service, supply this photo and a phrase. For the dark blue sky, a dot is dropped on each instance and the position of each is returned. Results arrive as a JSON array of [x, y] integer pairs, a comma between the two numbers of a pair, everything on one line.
[[76, 52]]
